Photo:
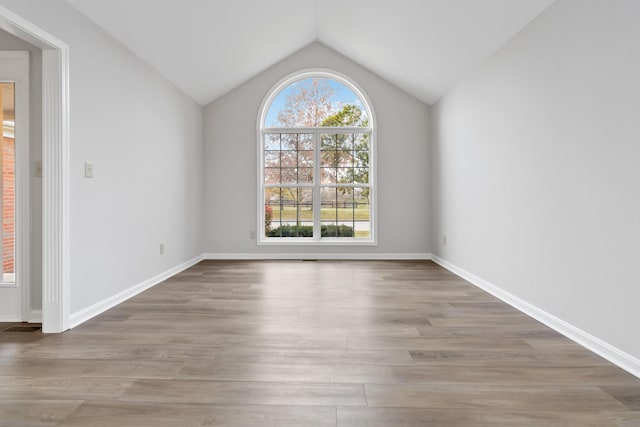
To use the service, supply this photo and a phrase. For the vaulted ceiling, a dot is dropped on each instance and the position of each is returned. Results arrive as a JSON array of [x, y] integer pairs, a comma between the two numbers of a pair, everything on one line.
[[209, 47]]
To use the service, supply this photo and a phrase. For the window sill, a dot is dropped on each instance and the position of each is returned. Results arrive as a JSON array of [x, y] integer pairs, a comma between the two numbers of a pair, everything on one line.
[[296, 241]]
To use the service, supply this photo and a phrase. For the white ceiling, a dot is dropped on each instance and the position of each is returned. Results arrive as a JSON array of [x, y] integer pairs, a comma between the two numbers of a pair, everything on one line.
[[209, 47]]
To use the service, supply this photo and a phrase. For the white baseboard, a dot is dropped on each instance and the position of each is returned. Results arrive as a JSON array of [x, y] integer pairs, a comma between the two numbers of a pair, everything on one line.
[[613, 354], [321, 256], [35, 316], [85, 314]]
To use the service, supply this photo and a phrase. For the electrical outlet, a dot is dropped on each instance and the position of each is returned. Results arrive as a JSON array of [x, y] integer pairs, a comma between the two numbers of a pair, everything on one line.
[[252, 235], [161, 248], [444, 240]]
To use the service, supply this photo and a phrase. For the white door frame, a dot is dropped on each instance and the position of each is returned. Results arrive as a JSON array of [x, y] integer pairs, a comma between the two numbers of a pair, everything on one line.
[[55, 161]]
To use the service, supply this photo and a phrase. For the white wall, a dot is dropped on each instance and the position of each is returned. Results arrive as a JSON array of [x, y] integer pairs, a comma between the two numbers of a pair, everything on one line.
[[144, 137], [536, 171], [230, 157], [10, 42]]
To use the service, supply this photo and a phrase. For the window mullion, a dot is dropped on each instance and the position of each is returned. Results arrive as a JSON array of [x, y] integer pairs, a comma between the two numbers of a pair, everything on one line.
[[316, 186]]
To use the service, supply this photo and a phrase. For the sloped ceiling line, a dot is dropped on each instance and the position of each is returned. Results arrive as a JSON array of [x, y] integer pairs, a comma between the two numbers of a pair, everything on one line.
[[425, 47]]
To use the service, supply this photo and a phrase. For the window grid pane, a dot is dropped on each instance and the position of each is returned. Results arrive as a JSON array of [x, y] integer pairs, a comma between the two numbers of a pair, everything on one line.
[[345, 210], [288, 212], [344, 159], [285, 162]]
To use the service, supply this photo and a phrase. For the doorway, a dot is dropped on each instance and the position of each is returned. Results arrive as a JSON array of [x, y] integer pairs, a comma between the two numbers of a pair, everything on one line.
[[56, 294], [14, 186]]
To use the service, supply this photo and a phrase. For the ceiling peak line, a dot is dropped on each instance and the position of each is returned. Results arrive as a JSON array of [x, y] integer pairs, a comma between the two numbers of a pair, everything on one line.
[[315, 17]]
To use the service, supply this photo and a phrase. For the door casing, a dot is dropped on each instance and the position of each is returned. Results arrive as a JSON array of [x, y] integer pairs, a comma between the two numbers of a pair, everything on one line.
[[56, 293]]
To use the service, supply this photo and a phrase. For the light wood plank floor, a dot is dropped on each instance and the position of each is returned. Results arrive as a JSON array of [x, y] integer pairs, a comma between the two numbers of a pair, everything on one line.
[[286, 343]]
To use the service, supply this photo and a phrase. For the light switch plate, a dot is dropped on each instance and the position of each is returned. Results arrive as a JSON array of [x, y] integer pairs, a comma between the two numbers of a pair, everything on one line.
[[88, 170]]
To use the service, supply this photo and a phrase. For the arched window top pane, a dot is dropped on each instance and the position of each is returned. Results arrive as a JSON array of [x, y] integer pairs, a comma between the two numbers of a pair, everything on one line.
[[316, 101]]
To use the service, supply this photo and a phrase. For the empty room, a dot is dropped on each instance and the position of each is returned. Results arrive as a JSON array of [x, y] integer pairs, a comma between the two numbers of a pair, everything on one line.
[[319, 213]]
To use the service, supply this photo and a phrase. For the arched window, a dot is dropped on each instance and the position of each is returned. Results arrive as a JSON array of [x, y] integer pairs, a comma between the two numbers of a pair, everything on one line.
[[316, 162]]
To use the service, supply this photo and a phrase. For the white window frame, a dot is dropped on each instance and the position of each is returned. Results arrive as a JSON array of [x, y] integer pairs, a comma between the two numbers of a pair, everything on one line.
[[317, 240]]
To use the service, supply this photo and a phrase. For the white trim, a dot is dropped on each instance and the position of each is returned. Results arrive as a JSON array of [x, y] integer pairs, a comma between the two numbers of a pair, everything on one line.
[[614, 355], [22, 213], [27, 31], [56, 293], [320, 256], [85, 314], [55, 158], [309, 241], [319, 129]]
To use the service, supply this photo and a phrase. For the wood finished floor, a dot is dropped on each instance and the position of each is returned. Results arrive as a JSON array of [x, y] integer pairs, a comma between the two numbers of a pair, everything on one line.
[[286, 343]]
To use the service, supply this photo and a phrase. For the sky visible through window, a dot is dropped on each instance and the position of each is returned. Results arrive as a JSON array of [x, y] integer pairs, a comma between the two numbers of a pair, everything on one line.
[[342, 96]]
